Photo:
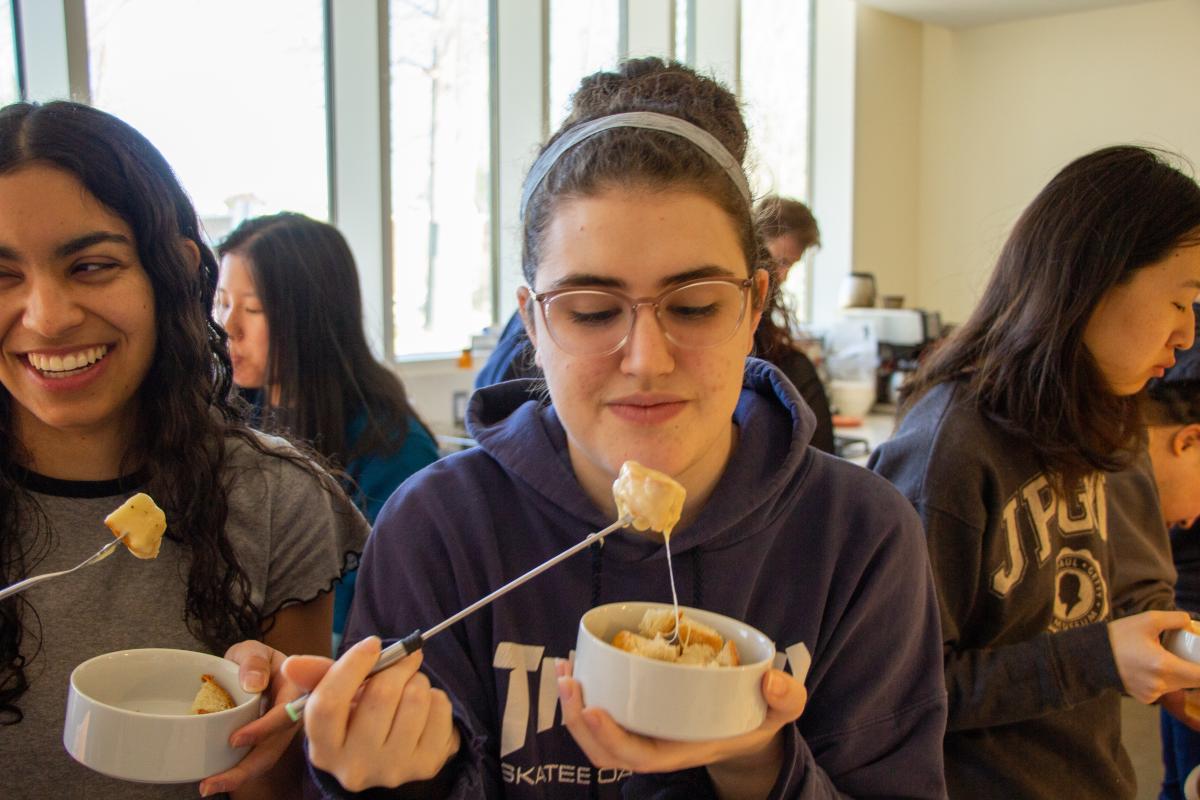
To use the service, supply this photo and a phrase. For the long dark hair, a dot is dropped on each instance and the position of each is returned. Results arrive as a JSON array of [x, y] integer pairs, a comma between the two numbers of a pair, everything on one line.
[[186, 392], [1020, 356], [306, 280]]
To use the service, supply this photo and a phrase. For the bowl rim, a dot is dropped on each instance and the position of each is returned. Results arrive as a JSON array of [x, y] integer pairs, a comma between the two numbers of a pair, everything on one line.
[[753, 665], [255, 697]]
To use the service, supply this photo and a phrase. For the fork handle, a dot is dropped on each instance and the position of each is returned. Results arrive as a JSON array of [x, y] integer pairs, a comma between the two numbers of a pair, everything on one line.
[[390, 655], [99, 555], [20, 586]]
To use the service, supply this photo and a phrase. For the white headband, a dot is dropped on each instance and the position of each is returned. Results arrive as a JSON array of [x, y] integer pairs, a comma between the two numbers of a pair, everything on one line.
[[651, 120]]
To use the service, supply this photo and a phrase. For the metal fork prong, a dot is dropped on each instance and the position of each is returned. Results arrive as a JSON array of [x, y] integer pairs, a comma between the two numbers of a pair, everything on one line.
[[102, 553]]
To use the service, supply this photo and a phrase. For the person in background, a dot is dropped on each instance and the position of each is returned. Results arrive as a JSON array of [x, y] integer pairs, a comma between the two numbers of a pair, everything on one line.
[[788, 230], [117, 380], [289, 299], [1172, 411], [1008, 432], [646, 279], [511, 359]]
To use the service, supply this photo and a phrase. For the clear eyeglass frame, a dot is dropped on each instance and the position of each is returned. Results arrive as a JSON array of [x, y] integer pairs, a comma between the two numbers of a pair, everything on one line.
[[632, 304]]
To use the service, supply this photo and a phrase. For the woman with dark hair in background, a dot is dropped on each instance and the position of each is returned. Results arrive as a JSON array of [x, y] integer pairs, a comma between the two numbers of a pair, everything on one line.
[[289, 299], [788, 229], [117, 380], [1008, 433]]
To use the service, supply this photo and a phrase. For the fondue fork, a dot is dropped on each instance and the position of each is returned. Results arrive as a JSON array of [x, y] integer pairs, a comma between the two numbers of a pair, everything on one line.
[[100, 555], [416, 640]]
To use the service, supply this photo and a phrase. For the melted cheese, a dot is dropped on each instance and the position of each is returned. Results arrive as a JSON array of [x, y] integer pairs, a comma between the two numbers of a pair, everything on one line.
[[653, 499], [142, 522]]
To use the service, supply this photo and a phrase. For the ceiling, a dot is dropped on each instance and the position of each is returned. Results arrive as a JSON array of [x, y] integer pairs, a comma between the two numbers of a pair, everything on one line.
[[970, 13]]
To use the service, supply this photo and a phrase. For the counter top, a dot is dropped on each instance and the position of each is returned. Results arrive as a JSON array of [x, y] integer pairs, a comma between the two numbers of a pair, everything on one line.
[[857, 442]]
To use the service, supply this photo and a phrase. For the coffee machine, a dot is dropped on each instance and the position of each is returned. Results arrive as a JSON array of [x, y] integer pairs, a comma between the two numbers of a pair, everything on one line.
[[902, 334]]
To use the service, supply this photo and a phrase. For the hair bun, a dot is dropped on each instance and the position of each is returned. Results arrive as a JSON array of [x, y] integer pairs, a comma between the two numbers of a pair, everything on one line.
[[668, 87]]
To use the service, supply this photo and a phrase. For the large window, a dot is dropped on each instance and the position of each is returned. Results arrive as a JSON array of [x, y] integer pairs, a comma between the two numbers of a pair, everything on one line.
[[683, 31], [584, 38], [9, 93], [441, 175], [775, 56], [775, 87], [232, 93]]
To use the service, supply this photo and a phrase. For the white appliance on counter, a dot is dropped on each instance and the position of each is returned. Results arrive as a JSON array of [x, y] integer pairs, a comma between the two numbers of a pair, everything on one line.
[[900, 334], [902, 327]]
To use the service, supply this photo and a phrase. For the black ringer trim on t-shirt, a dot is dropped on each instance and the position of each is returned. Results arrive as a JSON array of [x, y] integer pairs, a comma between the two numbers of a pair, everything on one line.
[[57, 487]]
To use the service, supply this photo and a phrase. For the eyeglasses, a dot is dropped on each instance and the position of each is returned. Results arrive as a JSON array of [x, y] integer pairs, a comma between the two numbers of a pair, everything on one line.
[[596, 322]]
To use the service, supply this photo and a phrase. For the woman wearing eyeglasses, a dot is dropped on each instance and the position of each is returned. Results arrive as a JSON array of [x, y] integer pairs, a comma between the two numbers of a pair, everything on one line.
[[645, 283]]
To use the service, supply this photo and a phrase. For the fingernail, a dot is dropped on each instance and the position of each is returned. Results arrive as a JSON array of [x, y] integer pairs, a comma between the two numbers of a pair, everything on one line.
[[560, 666], [564, 689], [256, 680], [211, 789], [241, 740], [774, 684]]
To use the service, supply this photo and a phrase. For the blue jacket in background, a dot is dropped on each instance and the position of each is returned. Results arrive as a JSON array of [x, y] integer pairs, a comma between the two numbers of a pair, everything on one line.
[[375, 477]]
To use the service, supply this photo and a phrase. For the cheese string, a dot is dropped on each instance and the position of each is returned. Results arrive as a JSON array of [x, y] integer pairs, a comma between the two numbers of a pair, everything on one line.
[[674, 637]]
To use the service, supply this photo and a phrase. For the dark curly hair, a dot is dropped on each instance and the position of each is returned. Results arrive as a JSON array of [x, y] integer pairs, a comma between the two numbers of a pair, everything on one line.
[[1174, 403], [634, 157], [187, 391]]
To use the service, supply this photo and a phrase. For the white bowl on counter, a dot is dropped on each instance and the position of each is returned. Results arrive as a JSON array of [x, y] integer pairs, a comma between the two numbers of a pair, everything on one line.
[[852, 398]]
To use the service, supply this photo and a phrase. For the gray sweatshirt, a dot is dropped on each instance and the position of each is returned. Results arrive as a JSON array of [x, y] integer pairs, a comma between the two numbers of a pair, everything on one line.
[[1026, 584]]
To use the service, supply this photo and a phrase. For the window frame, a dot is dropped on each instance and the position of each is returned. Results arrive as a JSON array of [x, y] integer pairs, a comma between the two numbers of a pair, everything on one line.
[[358, 113]]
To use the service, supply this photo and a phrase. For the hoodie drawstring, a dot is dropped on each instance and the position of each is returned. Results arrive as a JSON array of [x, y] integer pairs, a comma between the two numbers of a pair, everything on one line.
[[597, 549], [597, 571]]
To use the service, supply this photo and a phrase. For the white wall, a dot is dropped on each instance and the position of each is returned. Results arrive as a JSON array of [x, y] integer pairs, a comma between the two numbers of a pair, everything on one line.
[[887, 150], [1003, 107]]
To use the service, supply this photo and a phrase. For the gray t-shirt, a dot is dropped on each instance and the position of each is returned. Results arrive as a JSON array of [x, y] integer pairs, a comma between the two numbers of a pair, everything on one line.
[[291, 538]]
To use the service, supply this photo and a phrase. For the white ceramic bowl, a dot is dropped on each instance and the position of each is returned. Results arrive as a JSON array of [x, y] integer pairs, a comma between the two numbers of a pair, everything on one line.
[[128, 716], [671, 701], [1184, 642], [852, 398]]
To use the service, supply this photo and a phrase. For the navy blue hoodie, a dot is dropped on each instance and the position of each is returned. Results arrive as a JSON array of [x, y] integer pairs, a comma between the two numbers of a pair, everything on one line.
[[804, 546]]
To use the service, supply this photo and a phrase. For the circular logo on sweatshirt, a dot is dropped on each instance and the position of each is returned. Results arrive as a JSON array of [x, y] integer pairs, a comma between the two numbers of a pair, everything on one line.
[[1080, 596]]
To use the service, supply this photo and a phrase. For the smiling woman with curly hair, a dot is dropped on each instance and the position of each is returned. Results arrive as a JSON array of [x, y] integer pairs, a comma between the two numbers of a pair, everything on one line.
[[116, 380]]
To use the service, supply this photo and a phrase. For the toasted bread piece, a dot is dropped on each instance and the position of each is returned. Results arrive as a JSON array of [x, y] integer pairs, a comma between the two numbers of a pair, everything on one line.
[[661, 622], [211, 698], [658, 622], [657, 647], [728, 657], [625, 640], [653, 499], [141, 522], [700, 654]]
